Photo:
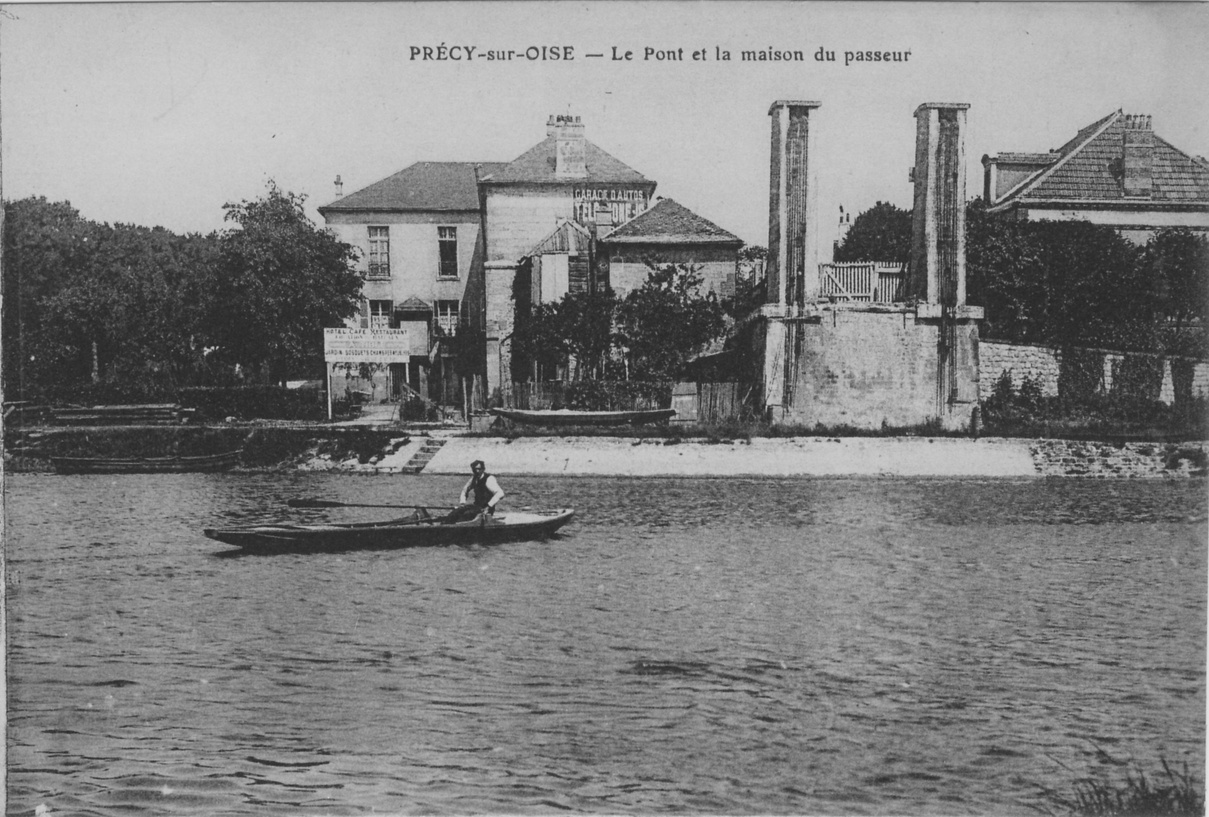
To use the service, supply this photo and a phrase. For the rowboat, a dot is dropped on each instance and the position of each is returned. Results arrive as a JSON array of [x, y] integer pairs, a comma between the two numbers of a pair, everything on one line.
[[146, 465], [418, 530], [571, 417]]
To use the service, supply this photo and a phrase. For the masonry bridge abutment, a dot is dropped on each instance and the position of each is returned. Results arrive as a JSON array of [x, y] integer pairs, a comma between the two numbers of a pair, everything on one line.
[[868, 365]]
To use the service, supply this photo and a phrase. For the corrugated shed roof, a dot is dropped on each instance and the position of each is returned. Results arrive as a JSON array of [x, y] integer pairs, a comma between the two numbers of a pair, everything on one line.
[[670, 222], [567, 237], [422, 186], [537, 165], [1089, 167]]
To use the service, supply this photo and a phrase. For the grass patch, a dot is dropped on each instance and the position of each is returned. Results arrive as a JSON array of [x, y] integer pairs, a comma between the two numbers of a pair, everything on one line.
[[1173, 793]]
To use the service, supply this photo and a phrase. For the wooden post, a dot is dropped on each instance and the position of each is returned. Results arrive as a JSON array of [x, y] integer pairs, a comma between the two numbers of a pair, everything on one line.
[[327, 387]]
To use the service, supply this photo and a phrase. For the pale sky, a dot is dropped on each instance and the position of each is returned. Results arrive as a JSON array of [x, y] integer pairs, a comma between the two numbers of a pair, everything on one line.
[[158, 114]]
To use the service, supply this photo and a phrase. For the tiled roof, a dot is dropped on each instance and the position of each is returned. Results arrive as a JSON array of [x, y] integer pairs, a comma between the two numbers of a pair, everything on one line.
[[1089, 168], [537, 165], [422, 186], [567, 237], [669, 222]]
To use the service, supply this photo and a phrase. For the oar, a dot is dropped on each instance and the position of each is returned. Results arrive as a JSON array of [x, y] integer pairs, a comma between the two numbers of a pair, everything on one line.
[[327, 503]]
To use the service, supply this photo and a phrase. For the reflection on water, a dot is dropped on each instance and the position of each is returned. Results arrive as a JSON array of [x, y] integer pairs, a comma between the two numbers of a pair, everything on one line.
[[725, 646]]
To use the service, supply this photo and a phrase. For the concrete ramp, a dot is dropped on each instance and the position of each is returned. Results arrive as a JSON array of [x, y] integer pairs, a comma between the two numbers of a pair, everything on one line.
[[797, 456]]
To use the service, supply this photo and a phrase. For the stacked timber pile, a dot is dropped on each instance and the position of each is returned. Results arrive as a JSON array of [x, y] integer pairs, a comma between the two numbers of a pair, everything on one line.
[[135, 415]]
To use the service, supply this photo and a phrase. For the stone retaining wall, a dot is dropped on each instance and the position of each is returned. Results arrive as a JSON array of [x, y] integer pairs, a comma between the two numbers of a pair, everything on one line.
[[1068, 458], [1042, 363]]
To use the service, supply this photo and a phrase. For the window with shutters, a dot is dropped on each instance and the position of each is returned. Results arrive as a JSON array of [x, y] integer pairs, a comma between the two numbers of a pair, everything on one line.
[[379, 252]]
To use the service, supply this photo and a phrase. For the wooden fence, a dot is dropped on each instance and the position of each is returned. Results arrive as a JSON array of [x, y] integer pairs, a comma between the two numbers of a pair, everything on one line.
[[700, 403], [594, 395], [866, 282], [720, 403]]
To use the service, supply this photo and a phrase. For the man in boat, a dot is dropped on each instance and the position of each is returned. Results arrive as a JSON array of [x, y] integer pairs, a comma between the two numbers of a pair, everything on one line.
[[480, 496]]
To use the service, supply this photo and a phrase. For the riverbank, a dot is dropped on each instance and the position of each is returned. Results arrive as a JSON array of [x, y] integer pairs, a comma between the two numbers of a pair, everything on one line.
[[811, 457], [444, 450]]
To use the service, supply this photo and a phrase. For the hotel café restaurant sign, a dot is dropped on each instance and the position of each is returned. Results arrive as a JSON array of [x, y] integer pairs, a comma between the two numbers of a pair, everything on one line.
[[366, 346]]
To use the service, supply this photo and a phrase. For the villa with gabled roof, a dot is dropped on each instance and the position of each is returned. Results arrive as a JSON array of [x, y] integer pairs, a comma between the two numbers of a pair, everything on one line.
[[456, 235], [1116, 171]]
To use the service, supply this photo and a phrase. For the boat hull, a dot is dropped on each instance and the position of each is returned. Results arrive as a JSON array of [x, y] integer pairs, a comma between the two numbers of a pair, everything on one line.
[[585, 418], [146, 465], [389, 535]]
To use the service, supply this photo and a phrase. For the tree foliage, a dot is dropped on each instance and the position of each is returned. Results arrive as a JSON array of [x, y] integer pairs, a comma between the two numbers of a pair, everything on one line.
[[1078, 284], [1176, 265], [667, 320], [88, 301], [647, 335], [881, 233], [280, 281], [578, 327]]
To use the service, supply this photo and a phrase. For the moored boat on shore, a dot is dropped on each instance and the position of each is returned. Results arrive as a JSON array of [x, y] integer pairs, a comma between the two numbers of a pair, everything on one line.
[[146, 465], [572, 417]]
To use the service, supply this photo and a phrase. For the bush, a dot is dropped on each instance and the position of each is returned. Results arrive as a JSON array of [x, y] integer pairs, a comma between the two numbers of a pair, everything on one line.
[[255, 402], [615, 395], [415, 408], [105, 394], [1138, 376]]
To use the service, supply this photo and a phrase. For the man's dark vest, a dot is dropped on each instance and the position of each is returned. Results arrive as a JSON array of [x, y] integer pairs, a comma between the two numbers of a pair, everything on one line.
[[482, 494]]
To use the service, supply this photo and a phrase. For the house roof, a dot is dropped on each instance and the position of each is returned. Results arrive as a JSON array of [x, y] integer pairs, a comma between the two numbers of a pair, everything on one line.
[[421, 186], [669, 222], [536, 165], [568, 237], [1088, 167]]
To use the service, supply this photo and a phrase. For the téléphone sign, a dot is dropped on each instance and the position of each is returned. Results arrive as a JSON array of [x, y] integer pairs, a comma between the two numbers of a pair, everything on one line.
[[366, 346]]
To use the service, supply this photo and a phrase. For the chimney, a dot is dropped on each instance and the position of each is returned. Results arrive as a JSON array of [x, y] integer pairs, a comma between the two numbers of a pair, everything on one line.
[[1138, 155], [569, 162], [339, 186]]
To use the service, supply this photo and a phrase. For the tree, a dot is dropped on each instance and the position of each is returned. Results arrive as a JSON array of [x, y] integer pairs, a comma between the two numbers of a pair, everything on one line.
[[1063, 283], [279, 282], [45, 246], [881, 233], [87, 302], [579, 326], [750, 282], [663, 323], [1176, 263]]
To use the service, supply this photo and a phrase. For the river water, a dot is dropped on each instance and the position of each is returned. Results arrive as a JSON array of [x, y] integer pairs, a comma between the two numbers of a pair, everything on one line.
[[798, 646]]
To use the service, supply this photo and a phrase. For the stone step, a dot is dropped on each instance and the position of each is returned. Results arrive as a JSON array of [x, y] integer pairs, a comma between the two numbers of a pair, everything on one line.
[[427, 451]]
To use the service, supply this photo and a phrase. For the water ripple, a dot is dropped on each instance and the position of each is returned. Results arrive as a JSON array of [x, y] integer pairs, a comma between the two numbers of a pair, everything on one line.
[[689, 646]]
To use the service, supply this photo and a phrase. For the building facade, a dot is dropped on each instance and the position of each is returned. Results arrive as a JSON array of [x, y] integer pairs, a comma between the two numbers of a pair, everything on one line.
[[419, 233], [546, 209], [449, 245]]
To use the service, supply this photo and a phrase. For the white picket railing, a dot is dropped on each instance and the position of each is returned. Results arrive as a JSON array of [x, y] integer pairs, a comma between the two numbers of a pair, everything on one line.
[[868, 282]]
